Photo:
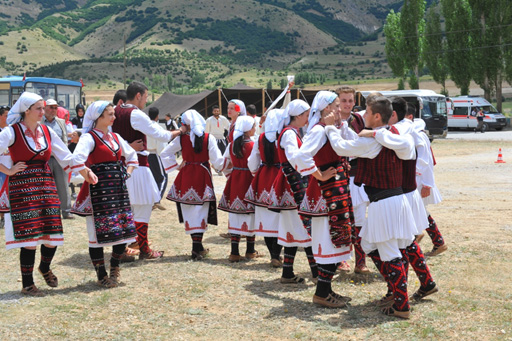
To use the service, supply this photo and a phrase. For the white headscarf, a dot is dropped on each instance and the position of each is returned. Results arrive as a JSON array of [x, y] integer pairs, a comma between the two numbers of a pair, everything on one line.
[[242, 124], [26, 100], [274, 123], [321, 101], [92, 113], [241, 104], [196, 122]]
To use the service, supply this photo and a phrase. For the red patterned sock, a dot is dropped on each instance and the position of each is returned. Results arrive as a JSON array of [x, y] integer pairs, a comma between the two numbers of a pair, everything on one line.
[[358, 250], [420, 266], [312, 262], [250, 244], [405, 261], [197, 242], [27, 260], [235, 241], [289, 258], [434, 233], [398, 281], [381, 266], [98, 261], [325, 275], [142, 236]]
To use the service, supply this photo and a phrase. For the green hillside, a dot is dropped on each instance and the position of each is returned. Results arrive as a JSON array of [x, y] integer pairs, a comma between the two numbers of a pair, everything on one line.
[[194, 44]]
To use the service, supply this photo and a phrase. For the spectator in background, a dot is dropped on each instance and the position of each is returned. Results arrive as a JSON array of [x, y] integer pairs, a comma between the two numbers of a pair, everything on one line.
[[217, 125], [5, 160], [58, 125], [155, 147], [170, 124], [480, 120], [251, 111], [79, 119]]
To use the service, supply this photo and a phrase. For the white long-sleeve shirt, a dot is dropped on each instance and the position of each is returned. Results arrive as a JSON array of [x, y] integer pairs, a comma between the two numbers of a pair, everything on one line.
[[169, 154], [291, 147], [217, 127], [86, 145], [59, 150]]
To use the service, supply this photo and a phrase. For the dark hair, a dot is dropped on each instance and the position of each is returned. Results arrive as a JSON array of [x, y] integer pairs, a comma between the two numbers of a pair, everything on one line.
[[168, 115], [198, 144], [78, 132], [382, 105], [238, 147], [251, 109], [357, 107], [215, 107], [120, 95], [268, 149], [79, 106], [153, 113], [411, 109], [4, 109], [400, 107], [134, 89]]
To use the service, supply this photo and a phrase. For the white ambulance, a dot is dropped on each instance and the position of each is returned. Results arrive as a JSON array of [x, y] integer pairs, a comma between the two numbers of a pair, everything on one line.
[[464, 113]]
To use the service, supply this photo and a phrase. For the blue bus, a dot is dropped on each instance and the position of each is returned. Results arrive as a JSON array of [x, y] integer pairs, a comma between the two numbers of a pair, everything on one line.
[[67, 93]]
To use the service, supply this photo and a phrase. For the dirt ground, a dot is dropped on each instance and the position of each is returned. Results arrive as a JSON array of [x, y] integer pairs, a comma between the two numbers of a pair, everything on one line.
[[176, 298]]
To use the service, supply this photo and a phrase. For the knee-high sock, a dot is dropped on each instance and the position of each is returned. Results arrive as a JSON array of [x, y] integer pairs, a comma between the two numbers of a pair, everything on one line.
[[358, 250], [117, 253], [142, 236], [197, 242], [250, 244], [325, 275], [27, 260], [311, 261], [419, 265], [289, 258], [434, 233], [47, 254], [269, 242], [235, 240], [98, 261], [405, 261], [398, 280], [381, 266]]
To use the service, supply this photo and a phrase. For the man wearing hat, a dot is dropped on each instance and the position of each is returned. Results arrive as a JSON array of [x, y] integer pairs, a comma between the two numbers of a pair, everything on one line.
[[58, 125]]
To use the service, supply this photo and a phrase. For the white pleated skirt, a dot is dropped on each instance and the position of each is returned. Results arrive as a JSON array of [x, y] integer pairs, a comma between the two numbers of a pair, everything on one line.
[[418, 211], [357, 194], [389, 219], [242, 224], [266, 222], [142, 187], [291, 230], [323, 248], [10, 243]]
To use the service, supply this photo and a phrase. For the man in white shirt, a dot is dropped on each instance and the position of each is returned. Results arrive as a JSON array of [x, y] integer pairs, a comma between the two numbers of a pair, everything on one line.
[[217, 125], [155, 147]]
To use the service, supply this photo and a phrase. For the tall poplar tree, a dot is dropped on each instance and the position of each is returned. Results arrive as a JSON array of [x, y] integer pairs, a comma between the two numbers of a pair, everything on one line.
[[457, 14], [412, 24], [434, 48], [394, 38]]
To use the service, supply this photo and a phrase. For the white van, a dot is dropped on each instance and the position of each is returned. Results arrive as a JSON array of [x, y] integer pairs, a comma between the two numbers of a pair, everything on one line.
[[464, 114]]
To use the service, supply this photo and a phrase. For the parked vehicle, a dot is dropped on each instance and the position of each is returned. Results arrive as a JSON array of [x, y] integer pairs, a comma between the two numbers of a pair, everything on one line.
[[464, 113], [430, 106]]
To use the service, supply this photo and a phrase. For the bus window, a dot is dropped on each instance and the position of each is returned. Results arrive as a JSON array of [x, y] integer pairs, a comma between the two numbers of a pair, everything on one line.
[[68, 97], [15, 94], [44, 90], [4, 97]]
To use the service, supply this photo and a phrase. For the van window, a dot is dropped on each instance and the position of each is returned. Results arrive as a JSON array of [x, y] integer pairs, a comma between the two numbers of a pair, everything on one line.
[[461, 111]]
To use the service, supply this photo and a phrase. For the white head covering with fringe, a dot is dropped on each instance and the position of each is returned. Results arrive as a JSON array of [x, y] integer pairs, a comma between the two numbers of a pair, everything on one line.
[[25, 101], [274, 123], [92, 113], [242, 124], [321, 101], [196, 122], [241, 105]]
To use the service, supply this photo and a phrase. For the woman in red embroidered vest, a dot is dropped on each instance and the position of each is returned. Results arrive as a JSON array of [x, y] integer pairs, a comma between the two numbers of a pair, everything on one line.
[[327, 200], [192, 189], [241, 213], [264, 164], [34, 217], [289, 187], [105, 203]]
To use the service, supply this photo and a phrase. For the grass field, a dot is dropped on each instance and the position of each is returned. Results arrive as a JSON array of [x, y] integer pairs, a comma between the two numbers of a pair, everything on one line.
[[176, 298]]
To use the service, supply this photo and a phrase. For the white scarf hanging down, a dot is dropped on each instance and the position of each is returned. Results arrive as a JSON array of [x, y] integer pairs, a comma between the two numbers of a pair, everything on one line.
[[321, 101], [92, 113], [242, 124], [281, 95], [25, 101], [196, 122], [274, 123], [241, 106]]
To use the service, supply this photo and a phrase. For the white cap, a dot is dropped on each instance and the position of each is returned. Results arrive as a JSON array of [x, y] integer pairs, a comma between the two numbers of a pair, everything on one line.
[[51, 101]]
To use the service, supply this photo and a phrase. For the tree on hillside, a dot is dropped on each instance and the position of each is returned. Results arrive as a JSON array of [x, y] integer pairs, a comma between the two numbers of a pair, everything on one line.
[[394, 38], [457, 15], [434, 49], [491, 33], [412, 25], [269, 84]]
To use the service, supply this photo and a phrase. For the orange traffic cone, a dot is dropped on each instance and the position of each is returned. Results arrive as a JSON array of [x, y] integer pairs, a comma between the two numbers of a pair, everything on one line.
[[500, 158]]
